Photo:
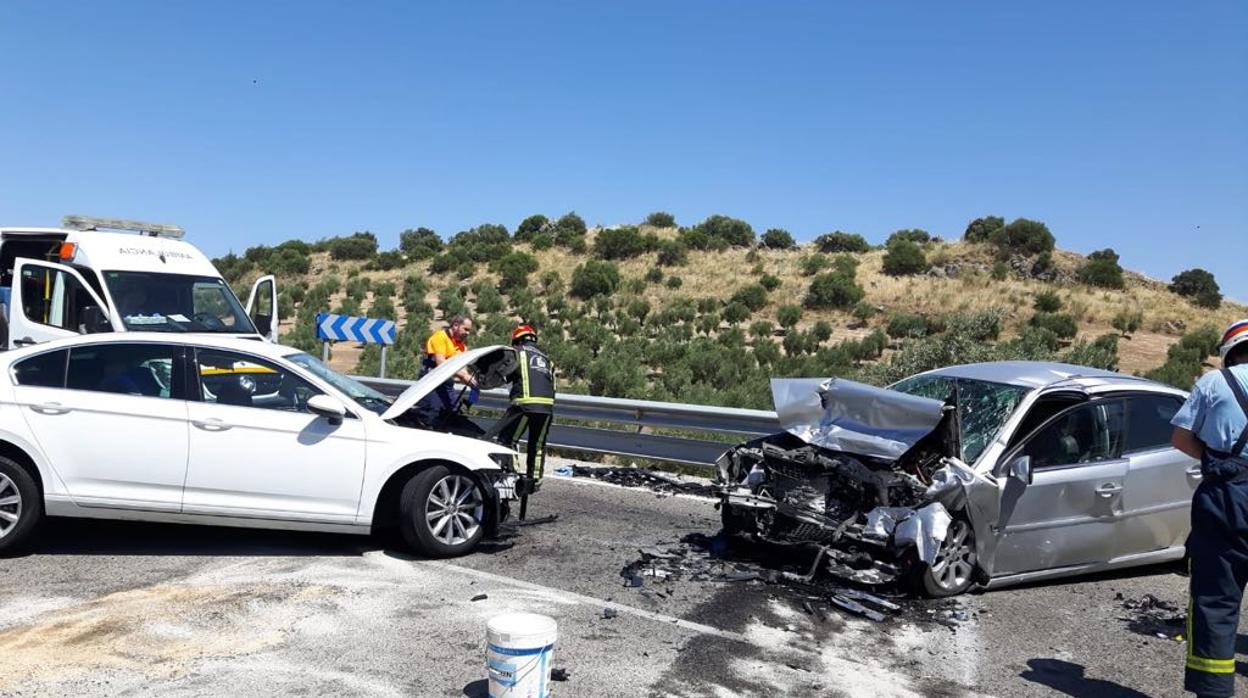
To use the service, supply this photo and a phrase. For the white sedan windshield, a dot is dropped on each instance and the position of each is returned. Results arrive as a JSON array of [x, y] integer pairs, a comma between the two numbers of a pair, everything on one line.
[[368, 398]]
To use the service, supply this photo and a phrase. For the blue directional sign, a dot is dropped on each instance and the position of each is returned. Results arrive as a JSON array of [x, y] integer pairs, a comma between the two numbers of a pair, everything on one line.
[[354, 329]]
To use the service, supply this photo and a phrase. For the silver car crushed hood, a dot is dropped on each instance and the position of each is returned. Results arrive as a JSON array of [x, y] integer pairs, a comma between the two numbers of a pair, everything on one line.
[[842, 415]]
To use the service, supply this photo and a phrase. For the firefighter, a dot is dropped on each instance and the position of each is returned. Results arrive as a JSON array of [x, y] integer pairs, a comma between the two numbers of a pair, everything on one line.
[[1213, 427], [532, 407]]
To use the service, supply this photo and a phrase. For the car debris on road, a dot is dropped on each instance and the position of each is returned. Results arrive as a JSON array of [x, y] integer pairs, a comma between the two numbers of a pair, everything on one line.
[[640, 478]]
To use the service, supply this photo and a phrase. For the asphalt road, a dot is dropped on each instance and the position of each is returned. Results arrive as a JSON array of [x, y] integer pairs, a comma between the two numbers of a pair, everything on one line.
[[136, 609]]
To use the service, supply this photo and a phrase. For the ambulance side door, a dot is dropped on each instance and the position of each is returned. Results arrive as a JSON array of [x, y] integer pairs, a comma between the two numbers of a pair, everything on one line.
[[52, 301], [262, 307]]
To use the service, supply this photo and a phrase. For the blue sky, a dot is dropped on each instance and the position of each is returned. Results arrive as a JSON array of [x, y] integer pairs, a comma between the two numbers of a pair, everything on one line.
[[1120, 124]]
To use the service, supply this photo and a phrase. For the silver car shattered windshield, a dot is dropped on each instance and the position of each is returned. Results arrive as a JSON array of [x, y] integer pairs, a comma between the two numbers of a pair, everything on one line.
[[367, 397], [983, 407]]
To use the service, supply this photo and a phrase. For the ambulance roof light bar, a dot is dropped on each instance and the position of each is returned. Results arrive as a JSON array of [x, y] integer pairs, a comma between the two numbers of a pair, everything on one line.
[[162, 230]]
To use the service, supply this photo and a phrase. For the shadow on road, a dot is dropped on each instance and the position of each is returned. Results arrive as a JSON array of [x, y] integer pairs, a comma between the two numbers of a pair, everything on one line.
[[1068, 678], [92, 537]]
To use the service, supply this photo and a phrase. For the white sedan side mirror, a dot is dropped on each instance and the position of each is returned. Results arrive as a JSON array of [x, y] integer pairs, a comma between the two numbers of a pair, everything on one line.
[[327, 407], [1020, 469]]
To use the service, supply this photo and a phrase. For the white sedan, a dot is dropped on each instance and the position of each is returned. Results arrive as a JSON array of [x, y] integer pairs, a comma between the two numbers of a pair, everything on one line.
[[233, 432]]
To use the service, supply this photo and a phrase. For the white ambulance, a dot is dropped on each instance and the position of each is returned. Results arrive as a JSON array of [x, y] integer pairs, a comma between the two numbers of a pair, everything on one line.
[[108, 275]]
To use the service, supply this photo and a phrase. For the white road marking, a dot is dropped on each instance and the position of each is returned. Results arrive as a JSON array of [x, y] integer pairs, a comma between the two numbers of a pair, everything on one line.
[[380, 558]]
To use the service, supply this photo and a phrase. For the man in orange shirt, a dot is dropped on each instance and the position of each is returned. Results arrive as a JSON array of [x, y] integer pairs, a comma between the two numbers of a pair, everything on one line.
[[438, 408]]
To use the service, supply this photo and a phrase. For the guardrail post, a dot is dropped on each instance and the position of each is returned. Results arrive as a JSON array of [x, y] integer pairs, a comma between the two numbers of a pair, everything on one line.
[[381, 372], [325, 351]]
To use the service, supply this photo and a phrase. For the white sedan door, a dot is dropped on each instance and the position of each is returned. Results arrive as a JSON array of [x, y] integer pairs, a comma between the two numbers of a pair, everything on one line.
[[112, 422], [255, 450]]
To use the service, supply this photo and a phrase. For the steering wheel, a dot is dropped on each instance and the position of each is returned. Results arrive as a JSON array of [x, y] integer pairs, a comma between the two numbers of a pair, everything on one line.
[[208, 320]]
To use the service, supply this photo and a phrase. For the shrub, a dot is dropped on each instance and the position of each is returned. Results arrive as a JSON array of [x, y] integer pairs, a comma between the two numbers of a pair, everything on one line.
[[837, 241], [638, 308], [863, 311], [1023, 236], [1047, 302], [1060, 324], [421, 243], [736, 313], [1128, 321], [654, 275], [489, 301], [789, 315], [385, 289], [543, 241], [1000, 271], [1198, 285], [981, 229], [514, 269], [673, 253], [1184, 360], [360, 245], [620, 243], [451, 259], [906, 325], [777, 239], [753, 297], [815, 263], [981, 326], [594, 278], [758, 268], [385, 261], [232, 267], [1102, 269], [530, 227], [1101, 353], [903, 258], [833, 290], [674, 282], [770, 282], [484, 243], [569, 229], [761, 328], [287, 261], [661, 219], [821, 332], [731, 232], [915, 235], [707, 305]]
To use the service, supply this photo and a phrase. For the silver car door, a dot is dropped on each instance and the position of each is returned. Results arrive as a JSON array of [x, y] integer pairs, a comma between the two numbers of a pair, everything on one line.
[[1071, 511], [1160, 479]]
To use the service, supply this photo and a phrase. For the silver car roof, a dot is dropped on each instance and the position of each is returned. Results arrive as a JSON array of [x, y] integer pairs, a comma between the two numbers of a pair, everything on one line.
[[1039, 374]]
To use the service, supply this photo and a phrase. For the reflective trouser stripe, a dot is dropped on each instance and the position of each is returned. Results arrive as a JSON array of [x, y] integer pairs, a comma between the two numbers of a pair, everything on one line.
[[1211, 666], [533, 401], [540, 460]]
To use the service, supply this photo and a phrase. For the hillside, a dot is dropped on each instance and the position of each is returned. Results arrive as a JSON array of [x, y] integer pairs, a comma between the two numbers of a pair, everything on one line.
[[704, 339]]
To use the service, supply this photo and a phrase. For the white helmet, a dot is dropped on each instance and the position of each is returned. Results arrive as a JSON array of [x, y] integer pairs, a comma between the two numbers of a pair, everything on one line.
[[1235, 335]]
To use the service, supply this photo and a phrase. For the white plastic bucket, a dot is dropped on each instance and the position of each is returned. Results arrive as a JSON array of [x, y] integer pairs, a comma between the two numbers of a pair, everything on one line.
[[518, 652]]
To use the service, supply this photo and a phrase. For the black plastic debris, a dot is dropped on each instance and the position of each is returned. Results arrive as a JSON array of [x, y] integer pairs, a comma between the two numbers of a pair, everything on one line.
[[559, 674], [609, 613], [480, 597], [1154, 617], [655, 480]]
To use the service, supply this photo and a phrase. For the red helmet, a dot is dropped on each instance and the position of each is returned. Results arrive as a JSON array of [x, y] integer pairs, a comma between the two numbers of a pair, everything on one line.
[[522, 332]]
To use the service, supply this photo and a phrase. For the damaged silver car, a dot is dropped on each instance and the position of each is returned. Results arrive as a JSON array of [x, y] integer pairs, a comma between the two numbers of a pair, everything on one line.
[[992, 474]]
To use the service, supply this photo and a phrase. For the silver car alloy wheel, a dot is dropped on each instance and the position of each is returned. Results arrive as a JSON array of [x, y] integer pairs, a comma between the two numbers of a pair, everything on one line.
[[955, 563], [454, 510], [10, 505]]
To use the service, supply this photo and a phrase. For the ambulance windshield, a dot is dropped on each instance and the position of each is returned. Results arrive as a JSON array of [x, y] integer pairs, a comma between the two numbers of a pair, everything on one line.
[[156, 302]]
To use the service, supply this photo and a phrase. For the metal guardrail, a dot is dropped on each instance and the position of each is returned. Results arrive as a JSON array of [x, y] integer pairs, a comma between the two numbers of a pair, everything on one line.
[[636, 416]]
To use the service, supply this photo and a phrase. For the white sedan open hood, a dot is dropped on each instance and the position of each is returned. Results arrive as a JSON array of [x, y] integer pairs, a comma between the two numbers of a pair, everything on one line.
[[436, 377]]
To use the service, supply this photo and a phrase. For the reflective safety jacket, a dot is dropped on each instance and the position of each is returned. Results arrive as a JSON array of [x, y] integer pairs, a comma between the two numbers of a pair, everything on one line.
[[533, 382]]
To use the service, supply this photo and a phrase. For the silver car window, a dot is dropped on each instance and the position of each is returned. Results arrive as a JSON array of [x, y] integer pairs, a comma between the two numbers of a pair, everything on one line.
[[1090, 433]]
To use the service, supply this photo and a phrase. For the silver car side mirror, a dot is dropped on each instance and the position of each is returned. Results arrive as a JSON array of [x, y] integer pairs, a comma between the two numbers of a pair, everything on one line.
[[327, 407], [1020, 469]]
